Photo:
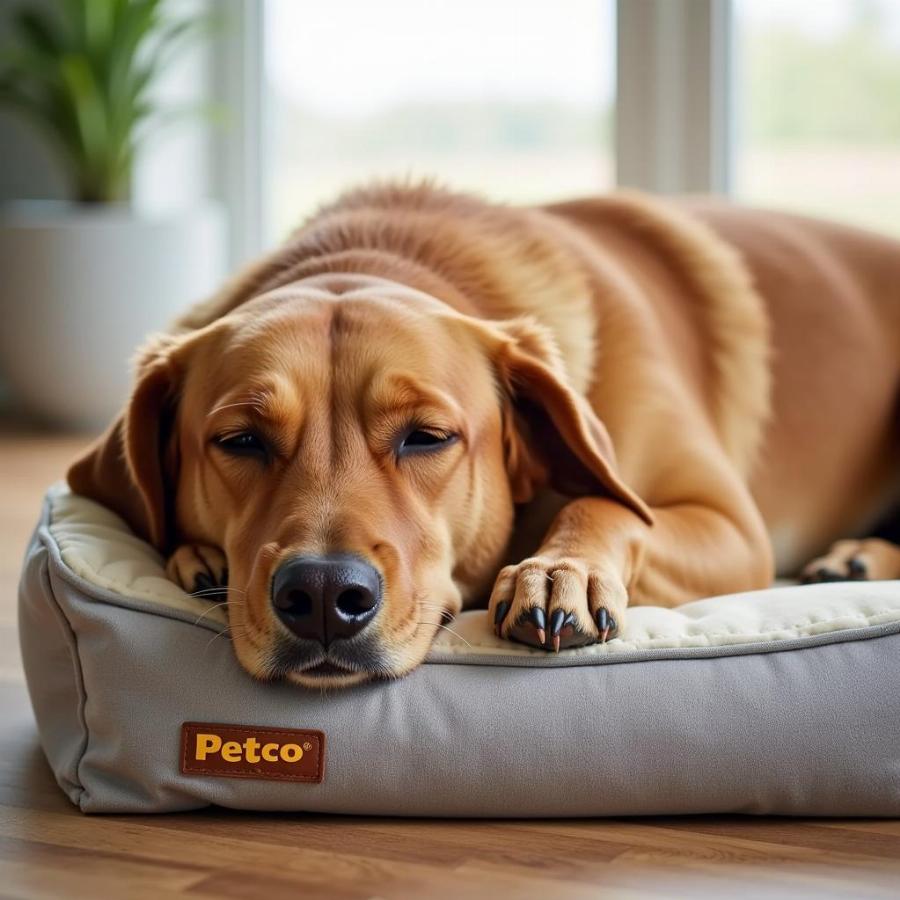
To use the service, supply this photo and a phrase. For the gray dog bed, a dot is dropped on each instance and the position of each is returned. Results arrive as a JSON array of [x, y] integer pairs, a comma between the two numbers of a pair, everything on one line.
[[779, 701]]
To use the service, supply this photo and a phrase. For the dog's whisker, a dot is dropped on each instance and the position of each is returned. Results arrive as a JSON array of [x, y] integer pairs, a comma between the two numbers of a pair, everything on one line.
[[432, 605], [230, 632], [206, 612], [227, 632], [210, 642], [211, 592], [456, 634]]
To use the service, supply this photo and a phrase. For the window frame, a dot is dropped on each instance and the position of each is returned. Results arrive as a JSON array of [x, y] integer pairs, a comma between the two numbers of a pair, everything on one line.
[[674, 106], [675, 95], [240, 147]]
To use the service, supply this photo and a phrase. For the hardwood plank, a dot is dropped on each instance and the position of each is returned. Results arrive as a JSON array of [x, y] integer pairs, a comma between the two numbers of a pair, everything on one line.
[[812, 835], [703, 838], [84, 870]]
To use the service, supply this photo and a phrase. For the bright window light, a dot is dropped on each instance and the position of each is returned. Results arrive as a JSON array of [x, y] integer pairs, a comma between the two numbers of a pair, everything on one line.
[[513, 100], [818, 95]]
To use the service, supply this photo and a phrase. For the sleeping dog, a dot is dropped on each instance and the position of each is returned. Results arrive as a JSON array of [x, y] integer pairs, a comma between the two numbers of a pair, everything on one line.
[[423, 401]]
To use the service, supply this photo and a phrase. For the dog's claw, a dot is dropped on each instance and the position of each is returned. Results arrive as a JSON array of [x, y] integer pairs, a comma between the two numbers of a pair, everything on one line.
[[499, 615], [557, 620], [602, 619], [612, 627], [539, 620], [605, 624]]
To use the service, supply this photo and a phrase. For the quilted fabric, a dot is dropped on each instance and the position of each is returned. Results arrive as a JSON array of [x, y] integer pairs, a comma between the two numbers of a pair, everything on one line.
[[98, 546]]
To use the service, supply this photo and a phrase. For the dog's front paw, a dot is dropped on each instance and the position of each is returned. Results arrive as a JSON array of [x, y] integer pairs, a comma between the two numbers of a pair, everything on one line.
[[199, 570], [556, 603]]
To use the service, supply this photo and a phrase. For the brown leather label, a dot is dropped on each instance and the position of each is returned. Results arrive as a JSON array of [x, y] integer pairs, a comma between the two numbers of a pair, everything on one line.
[[238, 751]]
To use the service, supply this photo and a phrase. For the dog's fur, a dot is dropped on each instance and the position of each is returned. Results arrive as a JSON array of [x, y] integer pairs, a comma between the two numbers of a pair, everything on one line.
[[652, 400]]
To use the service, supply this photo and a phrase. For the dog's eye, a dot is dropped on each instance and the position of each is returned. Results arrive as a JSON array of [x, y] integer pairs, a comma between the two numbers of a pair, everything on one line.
[[422, 440], [246, 443]]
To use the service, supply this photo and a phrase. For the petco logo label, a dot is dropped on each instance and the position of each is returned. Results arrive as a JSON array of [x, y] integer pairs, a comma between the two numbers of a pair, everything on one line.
[[237, 751]]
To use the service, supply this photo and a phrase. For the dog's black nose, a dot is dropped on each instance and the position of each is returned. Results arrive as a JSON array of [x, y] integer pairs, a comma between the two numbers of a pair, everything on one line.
[[323, 598]]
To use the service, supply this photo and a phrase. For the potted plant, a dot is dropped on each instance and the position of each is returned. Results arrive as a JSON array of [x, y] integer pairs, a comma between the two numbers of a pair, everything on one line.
[[84, 281]]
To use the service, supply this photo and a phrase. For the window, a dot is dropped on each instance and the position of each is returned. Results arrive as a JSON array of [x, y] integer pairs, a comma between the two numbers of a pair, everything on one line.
[[818, 102], [513, 100], [785, 104]]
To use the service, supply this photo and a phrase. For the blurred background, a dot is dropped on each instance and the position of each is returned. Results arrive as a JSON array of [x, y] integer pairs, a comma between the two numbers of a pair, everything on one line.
[[149, 147], [523, 106]]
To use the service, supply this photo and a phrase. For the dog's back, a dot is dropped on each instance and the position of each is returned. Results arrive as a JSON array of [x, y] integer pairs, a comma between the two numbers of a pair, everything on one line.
[[810, 404]]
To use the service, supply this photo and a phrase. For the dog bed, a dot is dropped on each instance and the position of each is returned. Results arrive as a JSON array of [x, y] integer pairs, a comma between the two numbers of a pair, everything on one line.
[[780, 701]]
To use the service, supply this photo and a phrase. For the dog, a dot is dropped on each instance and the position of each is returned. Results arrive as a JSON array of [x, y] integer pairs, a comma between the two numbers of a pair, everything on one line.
[[423, 401]]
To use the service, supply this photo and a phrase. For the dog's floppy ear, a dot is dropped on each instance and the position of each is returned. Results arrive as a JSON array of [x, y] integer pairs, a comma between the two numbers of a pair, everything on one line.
[[132, 468], [550, 430]]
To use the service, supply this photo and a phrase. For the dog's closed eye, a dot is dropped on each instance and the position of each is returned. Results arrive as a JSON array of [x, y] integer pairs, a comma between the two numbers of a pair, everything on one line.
[[243, 443], [425, 440]]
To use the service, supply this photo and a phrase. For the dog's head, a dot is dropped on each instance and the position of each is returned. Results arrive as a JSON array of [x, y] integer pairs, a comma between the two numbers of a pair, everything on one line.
[[356, 449]]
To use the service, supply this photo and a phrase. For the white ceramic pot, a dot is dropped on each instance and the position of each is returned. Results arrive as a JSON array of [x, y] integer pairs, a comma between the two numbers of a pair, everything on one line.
[[80, 288]]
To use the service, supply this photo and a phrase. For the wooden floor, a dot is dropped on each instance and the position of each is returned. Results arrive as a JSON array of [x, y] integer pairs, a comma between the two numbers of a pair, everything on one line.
[[48, 849]]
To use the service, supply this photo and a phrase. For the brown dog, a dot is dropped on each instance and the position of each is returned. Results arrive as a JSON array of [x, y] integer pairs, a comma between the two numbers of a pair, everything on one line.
[[419, 387]]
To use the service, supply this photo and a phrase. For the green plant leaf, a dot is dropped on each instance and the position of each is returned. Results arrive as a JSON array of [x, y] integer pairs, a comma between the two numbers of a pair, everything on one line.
[[82, 72], [42, 33]]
